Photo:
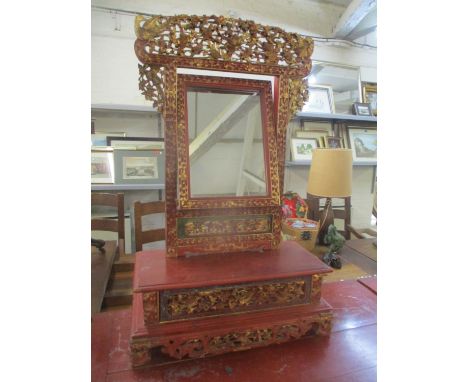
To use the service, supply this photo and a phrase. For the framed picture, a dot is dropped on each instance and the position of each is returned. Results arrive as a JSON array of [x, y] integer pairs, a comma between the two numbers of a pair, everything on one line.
[[369, 95], [362, 109], [100, 138], [320, 100], [135, 143], [342, 134], [102, 166], [139, 166], [301, 149], [313, 129], [363, 143], [334, 142]]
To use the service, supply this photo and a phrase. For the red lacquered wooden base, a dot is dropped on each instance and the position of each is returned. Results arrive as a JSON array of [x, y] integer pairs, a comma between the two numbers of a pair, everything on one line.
[[213, 304], [218, 335]]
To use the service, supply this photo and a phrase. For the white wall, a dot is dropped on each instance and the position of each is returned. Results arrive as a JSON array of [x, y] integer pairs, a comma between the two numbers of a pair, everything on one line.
[[300, 16], [114, 66]]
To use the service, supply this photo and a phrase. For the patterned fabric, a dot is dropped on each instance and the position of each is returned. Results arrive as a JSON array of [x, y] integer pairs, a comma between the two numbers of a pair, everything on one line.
[[293, 206]]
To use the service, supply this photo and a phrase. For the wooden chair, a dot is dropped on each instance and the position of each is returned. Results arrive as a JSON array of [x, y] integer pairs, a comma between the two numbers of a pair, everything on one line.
[[366, 233], [109, 224], [144, 237]]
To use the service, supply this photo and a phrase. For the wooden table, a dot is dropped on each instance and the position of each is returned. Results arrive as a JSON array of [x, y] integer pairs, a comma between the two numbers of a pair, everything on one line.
[[361, 252], [349, 354], [101, 267]]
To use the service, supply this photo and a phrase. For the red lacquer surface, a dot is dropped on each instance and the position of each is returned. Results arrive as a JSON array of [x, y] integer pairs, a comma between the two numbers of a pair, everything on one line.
[[155, 271]]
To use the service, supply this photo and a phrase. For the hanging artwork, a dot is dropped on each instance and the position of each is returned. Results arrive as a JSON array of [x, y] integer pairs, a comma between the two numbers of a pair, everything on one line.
[[363, 143]]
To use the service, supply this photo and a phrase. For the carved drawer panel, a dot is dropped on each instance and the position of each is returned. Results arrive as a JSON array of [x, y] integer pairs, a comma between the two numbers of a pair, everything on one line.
[[183, 304]]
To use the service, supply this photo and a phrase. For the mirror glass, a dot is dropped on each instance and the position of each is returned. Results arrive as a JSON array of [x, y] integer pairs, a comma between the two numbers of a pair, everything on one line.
[[226, 155], [344, 80]]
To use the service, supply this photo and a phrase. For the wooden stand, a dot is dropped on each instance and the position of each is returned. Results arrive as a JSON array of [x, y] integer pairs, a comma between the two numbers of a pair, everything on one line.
[[314, 212], [212, 304]]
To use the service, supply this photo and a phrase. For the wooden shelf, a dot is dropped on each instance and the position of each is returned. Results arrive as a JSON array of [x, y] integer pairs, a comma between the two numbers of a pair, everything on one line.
[[336, 117], [126, 187], [122, 108], [294, 164]]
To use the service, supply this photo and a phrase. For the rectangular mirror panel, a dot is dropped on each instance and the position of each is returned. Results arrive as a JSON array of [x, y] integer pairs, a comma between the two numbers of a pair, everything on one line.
[[226, 143]]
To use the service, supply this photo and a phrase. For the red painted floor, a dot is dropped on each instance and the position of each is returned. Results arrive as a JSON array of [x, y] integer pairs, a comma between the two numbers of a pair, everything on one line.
[[348, 355]]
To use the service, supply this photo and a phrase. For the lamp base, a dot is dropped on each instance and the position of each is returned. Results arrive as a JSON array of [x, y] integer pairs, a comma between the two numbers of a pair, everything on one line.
[[326, 219]]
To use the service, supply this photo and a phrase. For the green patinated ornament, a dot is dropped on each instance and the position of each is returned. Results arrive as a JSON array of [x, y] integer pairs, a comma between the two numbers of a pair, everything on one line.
[[335, 241]]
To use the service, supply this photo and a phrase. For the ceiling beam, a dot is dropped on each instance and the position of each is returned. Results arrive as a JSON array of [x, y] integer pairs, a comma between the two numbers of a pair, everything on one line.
[[361, 32], [220, 125], [356, 11]]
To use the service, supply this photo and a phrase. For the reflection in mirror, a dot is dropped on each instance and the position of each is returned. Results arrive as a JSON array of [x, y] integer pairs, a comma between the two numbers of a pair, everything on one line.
[[345, 81], [226, 143]]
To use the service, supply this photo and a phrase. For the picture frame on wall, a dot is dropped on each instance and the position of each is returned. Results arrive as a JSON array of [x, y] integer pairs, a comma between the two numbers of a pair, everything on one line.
[[320, 100], [369, 95], [360, 108], [301, 149], [334, 142], [102, 166], [342, 133], [139, 166], [100, 138], [363, 143], [312, 129], [136, 143]]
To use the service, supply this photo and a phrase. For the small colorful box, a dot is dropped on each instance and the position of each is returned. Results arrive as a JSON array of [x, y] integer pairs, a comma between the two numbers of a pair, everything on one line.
[[304, 231]]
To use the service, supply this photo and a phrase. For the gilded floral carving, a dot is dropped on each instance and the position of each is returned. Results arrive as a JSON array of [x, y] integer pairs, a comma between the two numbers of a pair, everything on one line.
[[171, 158], [151, 84], [140, 352], [298, 95], [230, 299], [222, 225], [151, 306], [247, 339], [316, 288], [224, 39]]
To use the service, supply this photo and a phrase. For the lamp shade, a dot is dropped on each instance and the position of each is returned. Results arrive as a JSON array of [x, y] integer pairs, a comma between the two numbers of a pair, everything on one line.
[[330, 173]]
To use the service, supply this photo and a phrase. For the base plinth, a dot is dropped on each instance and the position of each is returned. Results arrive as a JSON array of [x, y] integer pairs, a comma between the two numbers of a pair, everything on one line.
[[250, 300]]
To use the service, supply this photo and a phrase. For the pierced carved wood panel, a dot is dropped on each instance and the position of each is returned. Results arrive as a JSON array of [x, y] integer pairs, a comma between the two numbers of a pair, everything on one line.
[[223, 39], [206, 344], [184, 304]]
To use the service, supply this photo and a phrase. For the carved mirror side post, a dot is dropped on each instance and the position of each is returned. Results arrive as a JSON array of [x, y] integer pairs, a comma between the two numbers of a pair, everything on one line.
[[166, 43]]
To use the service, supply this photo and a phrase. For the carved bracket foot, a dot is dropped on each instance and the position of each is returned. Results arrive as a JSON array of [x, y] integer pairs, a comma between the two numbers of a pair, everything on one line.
[[206, 344]]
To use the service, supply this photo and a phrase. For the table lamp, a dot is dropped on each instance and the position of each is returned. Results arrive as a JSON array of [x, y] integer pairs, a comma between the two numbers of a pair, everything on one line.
[[329, 176]]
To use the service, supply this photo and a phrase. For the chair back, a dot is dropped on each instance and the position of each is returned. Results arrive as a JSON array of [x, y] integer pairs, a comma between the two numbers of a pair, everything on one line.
[[110, 224], [152, 235]]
